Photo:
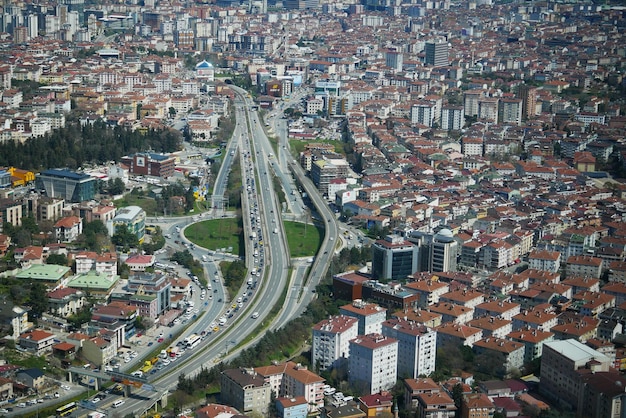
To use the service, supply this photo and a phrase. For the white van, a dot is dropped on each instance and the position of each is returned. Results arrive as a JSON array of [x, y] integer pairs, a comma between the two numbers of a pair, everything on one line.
[[118, 403]]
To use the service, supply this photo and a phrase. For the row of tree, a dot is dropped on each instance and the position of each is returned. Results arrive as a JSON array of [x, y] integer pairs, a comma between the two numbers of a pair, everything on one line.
[[77, 145]]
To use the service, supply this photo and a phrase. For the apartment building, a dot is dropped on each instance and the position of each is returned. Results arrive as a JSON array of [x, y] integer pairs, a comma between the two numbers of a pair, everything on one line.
[[545, 260], [497, 308], [417, 346], [372, 363], [561, 365], [246, 390], [370, 316], [513, 352], [292, 380], [429, 291], [331, 340], [533, 340], [583, 266]]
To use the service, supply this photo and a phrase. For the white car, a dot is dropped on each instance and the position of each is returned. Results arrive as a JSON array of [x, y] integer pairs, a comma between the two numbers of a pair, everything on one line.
[[65, 387], [96, 400]]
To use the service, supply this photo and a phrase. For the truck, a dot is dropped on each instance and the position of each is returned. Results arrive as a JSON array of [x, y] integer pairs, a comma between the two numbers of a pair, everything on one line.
[[148, 364]]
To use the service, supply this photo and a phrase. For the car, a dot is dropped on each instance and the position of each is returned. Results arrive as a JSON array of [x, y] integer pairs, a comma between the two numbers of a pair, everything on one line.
[[65, 387], [96, 400], [160, 340], [4, 411], [150, 343], [21, 405], [126, 359]]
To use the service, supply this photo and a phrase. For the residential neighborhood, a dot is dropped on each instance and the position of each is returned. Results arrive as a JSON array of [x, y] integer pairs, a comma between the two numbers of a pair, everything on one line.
[[474, 150]]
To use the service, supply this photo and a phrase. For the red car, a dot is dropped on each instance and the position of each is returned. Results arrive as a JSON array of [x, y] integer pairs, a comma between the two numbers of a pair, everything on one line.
[[160, 340]]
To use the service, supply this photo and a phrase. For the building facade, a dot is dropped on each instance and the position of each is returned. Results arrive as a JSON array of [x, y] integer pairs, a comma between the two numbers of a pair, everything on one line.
[[372, 363], [394, 258], [71, 186], [331, 340], [417, 347]]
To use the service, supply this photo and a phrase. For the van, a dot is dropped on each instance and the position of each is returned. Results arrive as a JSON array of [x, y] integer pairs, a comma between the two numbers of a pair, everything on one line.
[[118, 403]]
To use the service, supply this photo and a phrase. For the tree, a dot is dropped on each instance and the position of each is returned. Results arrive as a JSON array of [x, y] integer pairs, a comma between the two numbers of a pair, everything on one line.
[[38, 300], [172, 111], [116, 186], [123, 237], [58, 259]]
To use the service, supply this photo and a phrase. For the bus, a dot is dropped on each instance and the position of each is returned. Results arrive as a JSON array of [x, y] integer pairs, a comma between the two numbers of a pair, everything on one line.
[[67, 409], [192, 341]]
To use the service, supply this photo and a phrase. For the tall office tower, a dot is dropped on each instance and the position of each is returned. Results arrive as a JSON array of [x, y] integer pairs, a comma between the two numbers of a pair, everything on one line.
[[436, 53], [417, 346], [528, 94], [443, 252], [394, 60], [32, 21], [372, 363], [393, 258]]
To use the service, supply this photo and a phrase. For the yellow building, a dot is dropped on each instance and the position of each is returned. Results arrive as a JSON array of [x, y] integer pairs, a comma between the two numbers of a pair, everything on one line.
[[21, 177]]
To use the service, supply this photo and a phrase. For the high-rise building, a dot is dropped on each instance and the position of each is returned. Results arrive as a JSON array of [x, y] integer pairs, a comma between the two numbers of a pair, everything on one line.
[[443, 252], [528, 94], [331, 340], [561, 365], [452, 118], [436, 53], [394, 258], [394, 60], [510, 111], [372, 363], [424, 113], [417, 347], [370, 316]]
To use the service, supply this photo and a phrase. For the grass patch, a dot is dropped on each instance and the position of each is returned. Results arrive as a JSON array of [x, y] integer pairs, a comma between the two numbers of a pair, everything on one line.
[[146, 203], [296, 146], [218, 233], [304, 240]]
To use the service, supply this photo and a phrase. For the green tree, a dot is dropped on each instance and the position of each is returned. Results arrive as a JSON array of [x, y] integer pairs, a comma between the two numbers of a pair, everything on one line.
[[123, 237], [81, 317], [58, 259], [38, 300], [30, 224], [116, 186]]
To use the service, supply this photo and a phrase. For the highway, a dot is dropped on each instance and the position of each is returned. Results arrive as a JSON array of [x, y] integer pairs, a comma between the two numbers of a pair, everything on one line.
[[276, 274], [273, 256]]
